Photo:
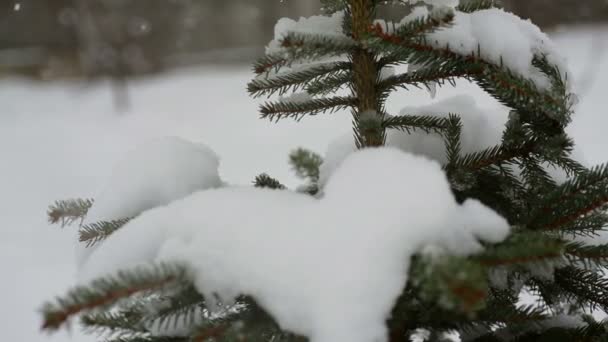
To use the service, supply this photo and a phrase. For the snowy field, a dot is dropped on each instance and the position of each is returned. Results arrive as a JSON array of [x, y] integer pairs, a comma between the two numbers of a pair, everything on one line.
[[61, 140]]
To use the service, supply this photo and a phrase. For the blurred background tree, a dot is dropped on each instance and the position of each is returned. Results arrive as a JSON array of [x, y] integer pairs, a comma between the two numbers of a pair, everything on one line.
[[87, 39]]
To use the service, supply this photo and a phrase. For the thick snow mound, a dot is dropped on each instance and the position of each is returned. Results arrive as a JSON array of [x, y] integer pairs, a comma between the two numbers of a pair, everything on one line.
[[309, 262], [153, 174], [499, 37]]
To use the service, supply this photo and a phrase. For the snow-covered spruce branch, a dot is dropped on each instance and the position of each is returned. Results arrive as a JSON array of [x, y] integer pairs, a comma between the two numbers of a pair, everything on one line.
[[301, 46], [184, 308], [496, 79], [419, 26], [108, 290], [250, 323], [180, 310], [114, 324]]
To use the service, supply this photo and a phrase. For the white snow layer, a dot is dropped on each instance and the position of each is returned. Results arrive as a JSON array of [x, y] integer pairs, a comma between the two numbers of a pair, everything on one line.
[[499, 37], [329, 268], [318, 24], [153, 174]]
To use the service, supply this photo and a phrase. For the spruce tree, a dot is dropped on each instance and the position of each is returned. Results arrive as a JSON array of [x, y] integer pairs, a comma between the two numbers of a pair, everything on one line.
[[477, 296]]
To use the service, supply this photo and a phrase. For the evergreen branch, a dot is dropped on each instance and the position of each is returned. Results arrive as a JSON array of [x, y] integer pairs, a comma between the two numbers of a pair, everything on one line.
[[66, 212], [584, 183], [594, 331], [552, 71], [415, 313], [216, 328], [186, 307], [583, 285], [265, 181], [294, 79], [572, 215], [105, 291], [422, 77], [410, 123], [422, 25], [470, 6], [596, 255], [249, 323], [588, 226], [305, 46], [493, 156], [535, 176], [523, 248], [573, 199], [512, 90], [296, 110], [452, 135], [114, 323], [93, 233], [329, 84], [569, 165], [435, 281], [306, 164], [269, 63]]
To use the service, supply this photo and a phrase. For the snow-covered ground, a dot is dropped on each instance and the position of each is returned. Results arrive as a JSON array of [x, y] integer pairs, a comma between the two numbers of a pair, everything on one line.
[[61, 140]]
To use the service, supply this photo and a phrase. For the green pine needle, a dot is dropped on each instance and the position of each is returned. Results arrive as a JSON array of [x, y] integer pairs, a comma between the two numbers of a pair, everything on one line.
[[107, 291], [93, 233]]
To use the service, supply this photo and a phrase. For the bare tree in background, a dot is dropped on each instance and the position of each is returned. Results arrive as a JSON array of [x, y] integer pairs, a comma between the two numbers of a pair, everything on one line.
[[550, 13]]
